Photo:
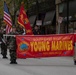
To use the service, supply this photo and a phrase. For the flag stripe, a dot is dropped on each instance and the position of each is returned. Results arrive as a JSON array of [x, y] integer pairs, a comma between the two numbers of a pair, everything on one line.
[[8, 29], [8, 21], [7, 16]]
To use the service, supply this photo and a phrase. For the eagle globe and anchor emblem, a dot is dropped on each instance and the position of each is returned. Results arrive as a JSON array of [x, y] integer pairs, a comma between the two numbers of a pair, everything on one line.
[[24, 46]]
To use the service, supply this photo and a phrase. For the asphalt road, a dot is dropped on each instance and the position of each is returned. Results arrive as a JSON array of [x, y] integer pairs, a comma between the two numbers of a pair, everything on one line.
[[36, 66]]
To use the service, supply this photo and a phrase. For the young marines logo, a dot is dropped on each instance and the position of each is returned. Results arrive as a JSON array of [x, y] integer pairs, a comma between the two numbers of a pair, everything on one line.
[[23, 46]]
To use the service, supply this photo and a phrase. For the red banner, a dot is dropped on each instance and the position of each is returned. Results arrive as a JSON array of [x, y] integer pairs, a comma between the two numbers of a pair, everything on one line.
[[45, 46]]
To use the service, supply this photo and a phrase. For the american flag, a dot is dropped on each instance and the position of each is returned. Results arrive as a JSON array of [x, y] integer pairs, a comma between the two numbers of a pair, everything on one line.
[[7, 19]]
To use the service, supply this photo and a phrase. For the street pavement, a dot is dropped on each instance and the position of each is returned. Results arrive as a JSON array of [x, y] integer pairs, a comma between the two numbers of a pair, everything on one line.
[[38, 66]]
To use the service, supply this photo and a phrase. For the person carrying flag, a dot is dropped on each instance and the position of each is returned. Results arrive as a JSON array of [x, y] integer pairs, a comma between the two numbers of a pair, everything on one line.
[[11, 30], [12, 46]]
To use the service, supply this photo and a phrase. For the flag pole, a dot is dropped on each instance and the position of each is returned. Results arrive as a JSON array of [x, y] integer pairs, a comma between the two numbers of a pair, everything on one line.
[[14, 15]]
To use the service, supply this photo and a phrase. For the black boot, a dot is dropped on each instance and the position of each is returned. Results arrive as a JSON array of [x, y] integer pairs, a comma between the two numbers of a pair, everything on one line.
[[13, 62], [5, 57]]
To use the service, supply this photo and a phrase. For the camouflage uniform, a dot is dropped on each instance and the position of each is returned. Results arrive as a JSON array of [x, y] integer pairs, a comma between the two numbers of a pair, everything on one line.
[[20, 31], [12, 47], [75, 54], [3, 50], [3, 46], [75, 46]]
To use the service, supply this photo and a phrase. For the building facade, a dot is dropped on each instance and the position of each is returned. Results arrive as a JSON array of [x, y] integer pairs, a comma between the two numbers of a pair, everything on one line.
[[65, 9], [44, 15]]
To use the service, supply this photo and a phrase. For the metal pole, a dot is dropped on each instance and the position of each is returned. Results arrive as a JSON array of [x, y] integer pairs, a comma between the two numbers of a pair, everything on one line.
[[58, 28], [67, 15], [14, 13], [37, 5]]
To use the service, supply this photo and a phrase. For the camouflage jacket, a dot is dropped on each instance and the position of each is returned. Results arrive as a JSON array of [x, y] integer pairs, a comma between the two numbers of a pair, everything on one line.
[[12, 41]]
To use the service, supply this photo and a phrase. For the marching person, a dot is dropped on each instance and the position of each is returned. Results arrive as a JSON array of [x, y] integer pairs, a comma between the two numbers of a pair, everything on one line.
[[3, 44], [20, 30], [12, 45]]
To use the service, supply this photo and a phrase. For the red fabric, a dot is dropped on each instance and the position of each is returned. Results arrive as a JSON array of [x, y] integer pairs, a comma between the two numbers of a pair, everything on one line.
[[45, 46], [23, 21]]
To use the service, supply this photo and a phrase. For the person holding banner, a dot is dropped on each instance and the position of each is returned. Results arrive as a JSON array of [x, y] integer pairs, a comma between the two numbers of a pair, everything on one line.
[[75, 46], [12, 45], [20, 30]]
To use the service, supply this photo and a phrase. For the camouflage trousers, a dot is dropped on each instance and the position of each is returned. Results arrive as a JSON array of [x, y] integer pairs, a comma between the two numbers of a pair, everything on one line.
[[13, 55], [3, 50]]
